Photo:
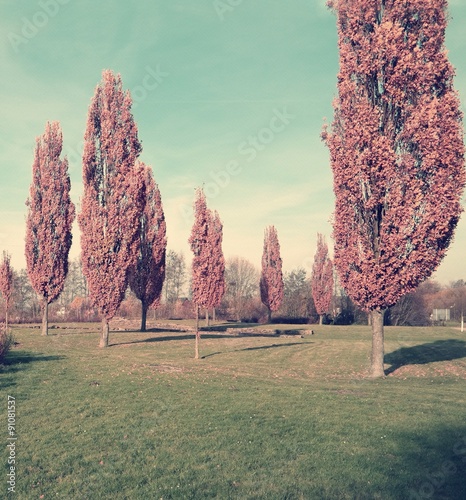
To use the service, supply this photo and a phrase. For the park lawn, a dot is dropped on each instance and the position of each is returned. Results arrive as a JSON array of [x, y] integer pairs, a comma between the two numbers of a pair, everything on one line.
[[258, 417]]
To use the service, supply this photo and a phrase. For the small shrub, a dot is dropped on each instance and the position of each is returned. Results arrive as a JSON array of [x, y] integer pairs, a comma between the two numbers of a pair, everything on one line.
[[285, 320], [250, 320], [344, 318], [6, 341]]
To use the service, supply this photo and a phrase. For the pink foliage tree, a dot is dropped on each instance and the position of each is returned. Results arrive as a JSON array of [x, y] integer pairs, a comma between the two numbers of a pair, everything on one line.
[[208, 265], [113, 197], [216, 262], [6, 283], [271, 281], [49, 221], [147, 276], [397, 152], [322, 278]]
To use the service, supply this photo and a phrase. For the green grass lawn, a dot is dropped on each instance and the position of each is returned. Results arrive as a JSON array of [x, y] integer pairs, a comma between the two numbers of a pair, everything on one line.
[[258, 417]]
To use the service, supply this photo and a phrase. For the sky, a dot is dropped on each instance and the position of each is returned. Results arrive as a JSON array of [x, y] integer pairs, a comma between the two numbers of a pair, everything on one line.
[[230, 95]]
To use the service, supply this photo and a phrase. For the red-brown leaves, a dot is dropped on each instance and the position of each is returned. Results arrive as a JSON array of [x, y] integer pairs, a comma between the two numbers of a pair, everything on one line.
[[322, 277], [396, 148], [113, 195], [147, 275], [271, 282], [208, 267], [216, 261], [50, 216]]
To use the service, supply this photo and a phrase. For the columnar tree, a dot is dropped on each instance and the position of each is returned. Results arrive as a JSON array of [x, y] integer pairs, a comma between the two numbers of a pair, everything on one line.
[[147, 275], [199, 246], [322, 278], [216, 273], [271, 282], [113, 197], [6, 283], [397, 152], [208, 263], [49, 220]]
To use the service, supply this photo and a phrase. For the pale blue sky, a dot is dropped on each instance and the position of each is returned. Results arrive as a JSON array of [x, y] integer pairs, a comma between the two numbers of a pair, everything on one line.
[[230, 96]]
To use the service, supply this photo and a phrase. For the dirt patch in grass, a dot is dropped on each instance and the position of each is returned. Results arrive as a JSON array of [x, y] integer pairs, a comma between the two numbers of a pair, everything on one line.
[[444, 369]]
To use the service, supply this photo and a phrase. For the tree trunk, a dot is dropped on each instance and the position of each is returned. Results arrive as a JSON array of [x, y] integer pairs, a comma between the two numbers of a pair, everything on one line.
[[269, 315], [196, 346], [213, 315], [144, 316], [105, 333], [321, 319], [45, 318], [377, 369], [207, 317]]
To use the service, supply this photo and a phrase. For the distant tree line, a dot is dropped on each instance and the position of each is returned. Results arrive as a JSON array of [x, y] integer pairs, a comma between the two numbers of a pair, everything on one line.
[[241, 301]]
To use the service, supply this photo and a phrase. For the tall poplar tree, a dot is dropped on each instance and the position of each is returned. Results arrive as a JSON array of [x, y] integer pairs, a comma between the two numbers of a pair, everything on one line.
[[6, 283], [397, 152], [271, 282], [208, 264], [113, 197], [49, 220], [322, 279], [198, 242], [147, 275], [216, 263]]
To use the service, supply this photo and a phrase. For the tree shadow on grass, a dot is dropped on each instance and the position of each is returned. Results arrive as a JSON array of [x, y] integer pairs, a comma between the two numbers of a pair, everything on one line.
[[168, 338], [273, 346], [440, 350], [414, 464], [25, 358], [16, 361], [160, 330], [258, 348], [221, 328], [268, 329], [435, 460], [191, 336]]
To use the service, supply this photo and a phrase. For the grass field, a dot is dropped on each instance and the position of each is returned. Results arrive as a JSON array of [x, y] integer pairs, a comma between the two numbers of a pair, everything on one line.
[[259, 417]]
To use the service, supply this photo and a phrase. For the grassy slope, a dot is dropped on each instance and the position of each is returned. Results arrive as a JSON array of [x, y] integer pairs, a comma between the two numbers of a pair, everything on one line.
[[258, 417]]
